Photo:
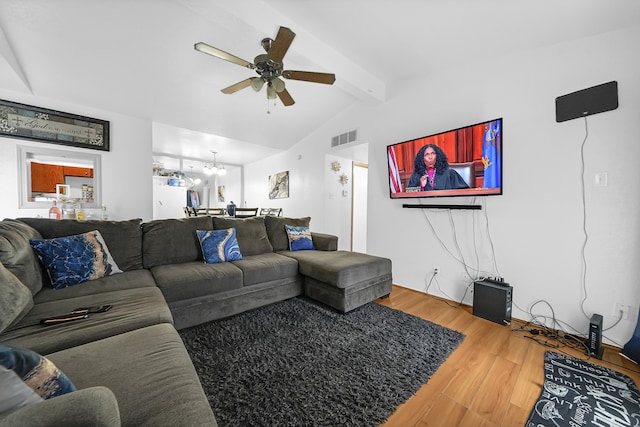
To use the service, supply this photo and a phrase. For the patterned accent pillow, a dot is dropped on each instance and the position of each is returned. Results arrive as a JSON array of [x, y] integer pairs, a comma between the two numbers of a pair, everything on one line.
[[14, 393], [37, 372], [299, 238], [276, 232], [75, 259], [219, 245]]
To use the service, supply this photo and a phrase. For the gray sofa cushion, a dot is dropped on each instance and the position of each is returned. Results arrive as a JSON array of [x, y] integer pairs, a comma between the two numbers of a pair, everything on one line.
[[123, 238], [173, 241], [324, 242], [195, 311], [17, 255], [341, 268], [95, 406], [196, 279], [276, 232], [250, 232], [127, 280], [150, 373], [15, 299], [132, 309], [266, 267]]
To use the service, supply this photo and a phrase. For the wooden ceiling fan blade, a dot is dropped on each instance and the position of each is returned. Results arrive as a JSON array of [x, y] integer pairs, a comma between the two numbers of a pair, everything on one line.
[[218, 53], [236, 87], [286, 98], [281, 44], [310, 76]]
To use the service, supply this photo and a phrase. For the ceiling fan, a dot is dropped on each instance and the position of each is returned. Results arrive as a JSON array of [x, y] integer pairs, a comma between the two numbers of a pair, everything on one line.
[[269, 67]]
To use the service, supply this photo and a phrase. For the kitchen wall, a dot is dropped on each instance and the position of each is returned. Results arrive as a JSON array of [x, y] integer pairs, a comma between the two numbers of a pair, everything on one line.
[[126, 169]]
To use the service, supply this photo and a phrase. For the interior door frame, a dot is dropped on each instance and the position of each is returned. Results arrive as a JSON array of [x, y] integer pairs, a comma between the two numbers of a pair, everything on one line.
[[354, 165]]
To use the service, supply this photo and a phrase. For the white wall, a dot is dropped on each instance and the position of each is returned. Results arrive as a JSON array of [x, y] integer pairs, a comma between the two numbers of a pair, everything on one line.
[[314, 189], [232, 182], [337, 207], [126, 168], [536, 226], [306, 182]]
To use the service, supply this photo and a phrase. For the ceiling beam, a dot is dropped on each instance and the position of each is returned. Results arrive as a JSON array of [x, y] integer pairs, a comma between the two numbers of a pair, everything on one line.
[[7, 53]]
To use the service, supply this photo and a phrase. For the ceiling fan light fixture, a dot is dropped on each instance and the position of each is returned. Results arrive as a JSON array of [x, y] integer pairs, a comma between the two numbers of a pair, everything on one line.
[[222, 171], [257, 83], [271, 92], [278, 84]]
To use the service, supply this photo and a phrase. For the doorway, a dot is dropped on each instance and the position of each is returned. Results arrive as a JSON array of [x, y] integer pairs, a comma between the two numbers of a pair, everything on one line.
[[360, 173]]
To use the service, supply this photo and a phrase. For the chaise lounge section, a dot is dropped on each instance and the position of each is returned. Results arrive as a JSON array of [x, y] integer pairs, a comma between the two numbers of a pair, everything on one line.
[[344, 280]]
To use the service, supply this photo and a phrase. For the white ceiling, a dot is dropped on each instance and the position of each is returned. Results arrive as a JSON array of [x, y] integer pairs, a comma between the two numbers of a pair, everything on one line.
[[136, 57]]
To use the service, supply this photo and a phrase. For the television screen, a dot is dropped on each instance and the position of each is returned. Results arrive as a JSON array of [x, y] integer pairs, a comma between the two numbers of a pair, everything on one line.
[[461, 162]]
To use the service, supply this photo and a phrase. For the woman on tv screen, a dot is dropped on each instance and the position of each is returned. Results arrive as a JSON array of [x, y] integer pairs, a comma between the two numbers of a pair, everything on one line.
[[431, 171]]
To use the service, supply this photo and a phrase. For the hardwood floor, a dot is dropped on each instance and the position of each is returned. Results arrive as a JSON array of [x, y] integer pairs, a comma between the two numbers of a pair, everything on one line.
[[493, 378]]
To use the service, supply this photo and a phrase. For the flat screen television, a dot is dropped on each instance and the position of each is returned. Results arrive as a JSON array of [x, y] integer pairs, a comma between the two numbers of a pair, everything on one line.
[[460, 162]]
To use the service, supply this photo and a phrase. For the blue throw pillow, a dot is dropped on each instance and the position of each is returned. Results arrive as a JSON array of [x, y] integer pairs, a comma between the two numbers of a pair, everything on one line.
[[219, 245], [299, 238], [75, 259], [37, 372]]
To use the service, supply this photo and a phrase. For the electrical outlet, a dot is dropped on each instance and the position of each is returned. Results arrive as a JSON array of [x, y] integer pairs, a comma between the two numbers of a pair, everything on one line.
[[620, 307], [436, 270]]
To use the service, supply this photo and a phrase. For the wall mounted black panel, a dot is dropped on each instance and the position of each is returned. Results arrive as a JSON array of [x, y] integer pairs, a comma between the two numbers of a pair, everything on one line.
[[585, 102]]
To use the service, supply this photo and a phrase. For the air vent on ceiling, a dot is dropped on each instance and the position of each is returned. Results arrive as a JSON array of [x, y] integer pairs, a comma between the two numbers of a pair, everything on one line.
[[344, 138]]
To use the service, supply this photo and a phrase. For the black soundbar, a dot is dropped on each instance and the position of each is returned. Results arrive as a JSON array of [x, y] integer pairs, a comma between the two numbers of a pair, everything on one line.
[[473, 207]]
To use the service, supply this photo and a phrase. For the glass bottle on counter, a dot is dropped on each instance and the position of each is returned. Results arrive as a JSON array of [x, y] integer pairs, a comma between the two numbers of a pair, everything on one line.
[[54, 211], [79, 212]]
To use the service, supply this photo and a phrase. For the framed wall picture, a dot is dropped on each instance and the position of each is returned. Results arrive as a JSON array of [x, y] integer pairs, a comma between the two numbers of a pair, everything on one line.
[[55, 127], [279, 185], [221, 192]]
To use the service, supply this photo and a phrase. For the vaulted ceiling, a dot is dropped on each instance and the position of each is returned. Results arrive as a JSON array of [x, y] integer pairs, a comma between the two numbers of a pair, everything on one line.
[[136, 57]]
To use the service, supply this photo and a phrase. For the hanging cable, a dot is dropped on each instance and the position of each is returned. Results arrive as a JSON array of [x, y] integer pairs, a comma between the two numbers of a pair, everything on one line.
[[493, 250], [584, 221], [475, 241]]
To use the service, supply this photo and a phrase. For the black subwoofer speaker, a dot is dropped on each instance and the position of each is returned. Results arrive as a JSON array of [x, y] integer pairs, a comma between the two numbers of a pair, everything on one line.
[[492, 301], [585, 102]]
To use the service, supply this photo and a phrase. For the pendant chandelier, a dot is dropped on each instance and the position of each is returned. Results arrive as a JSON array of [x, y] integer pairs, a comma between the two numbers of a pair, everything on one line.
[[213, 169]]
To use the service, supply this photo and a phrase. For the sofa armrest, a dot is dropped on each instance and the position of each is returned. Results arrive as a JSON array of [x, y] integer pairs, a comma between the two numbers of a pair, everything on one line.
[[95, 406], [324, 242]]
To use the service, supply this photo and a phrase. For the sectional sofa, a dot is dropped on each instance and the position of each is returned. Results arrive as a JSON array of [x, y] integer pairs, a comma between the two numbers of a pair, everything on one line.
[[129, 364]]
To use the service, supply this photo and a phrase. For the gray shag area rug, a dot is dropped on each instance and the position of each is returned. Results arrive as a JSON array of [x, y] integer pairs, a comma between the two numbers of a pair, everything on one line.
[[297, 363]]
